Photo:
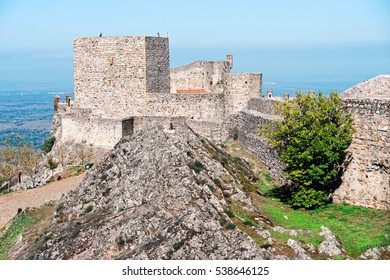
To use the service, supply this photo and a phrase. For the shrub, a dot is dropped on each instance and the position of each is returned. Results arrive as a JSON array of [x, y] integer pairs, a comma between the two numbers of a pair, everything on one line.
[[51, 163], [222, 221], [48, 144], [248, 223], [178, 245], [311, 140], [217, 182], [6, 191], [230, 226], [197, 166], [308, 198], [229, 213], [88, 209], [60, 208], [120, 242]]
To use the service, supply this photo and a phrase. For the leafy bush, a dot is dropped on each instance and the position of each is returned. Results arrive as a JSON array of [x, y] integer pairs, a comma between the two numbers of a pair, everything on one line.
[[178, 245], [48, 144], [6, 191], [222, 221], [197, 166], [120, 241], [229, 213], [248, 223], [308, 198], [230, 226], [88, 209], [17, 155], [51, 163], [217, 182], [311, 140]]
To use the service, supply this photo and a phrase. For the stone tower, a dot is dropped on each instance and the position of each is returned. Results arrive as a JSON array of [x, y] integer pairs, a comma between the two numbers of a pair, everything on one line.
[[229, 58], [111, 69]]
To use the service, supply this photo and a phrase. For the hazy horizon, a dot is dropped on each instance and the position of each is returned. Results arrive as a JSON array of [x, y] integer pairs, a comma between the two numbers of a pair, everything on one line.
[[329, 43]]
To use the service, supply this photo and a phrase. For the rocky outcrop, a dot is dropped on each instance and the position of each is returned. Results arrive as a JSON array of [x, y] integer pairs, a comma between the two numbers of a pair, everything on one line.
[[160, 195], [377, 87], [331, 245], [382, 253], [296, 246]]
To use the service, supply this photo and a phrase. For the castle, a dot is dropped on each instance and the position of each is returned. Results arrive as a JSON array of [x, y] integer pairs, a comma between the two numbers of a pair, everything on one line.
[[123, 83]]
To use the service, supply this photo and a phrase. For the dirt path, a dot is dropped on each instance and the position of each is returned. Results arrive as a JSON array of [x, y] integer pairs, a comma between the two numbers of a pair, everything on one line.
[[10, 203]]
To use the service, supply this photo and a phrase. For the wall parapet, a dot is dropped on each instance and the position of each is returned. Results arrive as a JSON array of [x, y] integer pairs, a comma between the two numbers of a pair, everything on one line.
[[263, 105], [367, 106]]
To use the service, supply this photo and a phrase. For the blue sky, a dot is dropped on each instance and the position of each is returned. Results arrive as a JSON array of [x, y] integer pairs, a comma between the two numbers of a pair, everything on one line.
[[288, 41]]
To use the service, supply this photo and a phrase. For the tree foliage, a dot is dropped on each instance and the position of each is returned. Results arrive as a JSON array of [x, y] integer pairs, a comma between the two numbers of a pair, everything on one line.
[[17, 156], [48, 144], [311, 139]]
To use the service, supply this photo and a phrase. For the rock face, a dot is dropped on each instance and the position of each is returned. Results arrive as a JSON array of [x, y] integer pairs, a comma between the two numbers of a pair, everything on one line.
[[382, 253], [159, 195], [331, 246]]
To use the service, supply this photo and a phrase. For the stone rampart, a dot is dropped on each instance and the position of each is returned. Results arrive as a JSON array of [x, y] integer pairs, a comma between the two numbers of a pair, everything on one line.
[[245, 126], [263, 105], [207, 75], [91, 132], [240, 88], [108, 67], [366, 181]]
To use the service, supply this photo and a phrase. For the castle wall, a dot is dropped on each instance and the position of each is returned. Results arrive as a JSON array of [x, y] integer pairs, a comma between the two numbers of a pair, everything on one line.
[[93, 132], [366, 181], [199, 107], [207, 75], [264, 105], [204, 113], [240, 88], [157, 65], [244, 126], [114, 68]]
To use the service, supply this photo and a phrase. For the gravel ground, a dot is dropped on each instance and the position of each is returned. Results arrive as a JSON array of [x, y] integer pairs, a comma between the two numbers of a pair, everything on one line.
[[10, 203]]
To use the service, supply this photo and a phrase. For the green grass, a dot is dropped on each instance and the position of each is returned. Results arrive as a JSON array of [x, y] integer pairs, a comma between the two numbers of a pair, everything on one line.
[[358, 228], [74, 167], [13, 232], [6, 191]]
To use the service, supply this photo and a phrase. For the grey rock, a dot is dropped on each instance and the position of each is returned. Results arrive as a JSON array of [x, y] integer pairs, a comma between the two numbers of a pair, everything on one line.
[[146, 201], [382, 253], [301, 253], [291, 232], [280, 229], [331, 245], [263, 233]]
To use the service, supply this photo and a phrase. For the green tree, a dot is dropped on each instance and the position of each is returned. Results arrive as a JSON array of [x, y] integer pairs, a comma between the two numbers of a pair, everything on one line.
[[17, 156], [311, 140], [48, 144]]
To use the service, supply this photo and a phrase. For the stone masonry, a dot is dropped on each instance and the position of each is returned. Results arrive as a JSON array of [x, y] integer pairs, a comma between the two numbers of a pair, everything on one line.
[[366, 181], [122, 78], [123, 83]]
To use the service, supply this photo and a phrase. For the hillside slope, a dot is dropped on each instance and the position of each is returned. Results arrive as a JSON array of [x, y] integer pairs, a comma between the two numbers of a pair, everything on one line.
[[159, 195]]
